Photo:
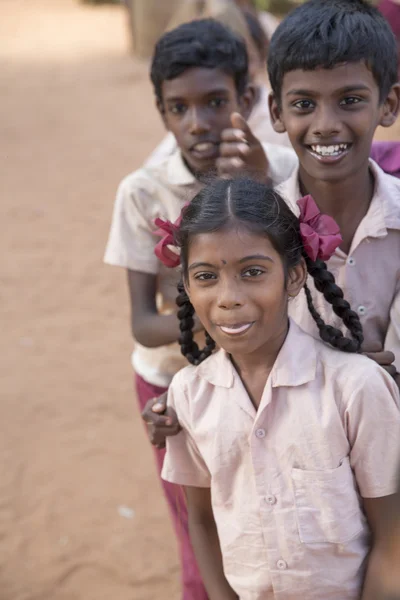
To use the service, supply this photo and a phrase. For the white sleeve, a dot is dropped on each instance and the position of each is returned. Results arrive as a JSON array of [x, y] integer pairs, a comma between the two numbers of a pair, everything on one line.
[[282, 162], [163, 151], [131, 240], [183, 463], [373, 430]]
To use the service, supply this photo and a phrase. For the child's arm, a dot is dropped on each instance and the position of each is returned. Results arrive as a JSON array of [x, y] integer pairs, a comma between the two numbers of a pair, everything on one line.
[[205, 542], [382, 580], [149, 328]]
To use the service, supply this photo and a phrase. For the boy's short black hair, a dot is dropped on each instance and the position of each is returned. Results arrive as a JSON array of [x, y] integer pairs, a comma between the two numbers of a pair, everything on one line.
[[327, 33], [203, 43]]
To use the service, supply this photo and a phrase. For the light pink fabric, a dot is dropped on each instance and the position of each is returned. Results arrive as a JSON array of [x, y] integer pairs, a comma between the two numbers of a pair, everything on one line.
[[369, 275], [286, 479]]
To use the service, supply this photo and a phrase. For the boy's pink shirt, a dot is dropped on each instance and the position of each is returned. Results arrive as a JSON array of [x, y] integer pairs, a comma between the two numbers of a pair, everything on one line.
[[286, 479], [369, 275]]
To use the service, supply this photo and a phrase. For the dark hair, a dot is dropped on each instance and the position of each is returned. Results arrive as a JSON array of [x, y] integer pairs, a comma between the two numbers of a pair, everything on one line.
[[327, 33], [261, 210], [257, 34], [203, 43]]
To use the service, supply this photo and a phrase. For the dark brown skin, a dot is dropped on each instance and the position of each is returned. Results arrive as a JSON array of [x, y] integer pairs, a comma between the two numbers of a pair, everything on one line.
[[382, 581], [149, 328], [241, 152], [205, 542]]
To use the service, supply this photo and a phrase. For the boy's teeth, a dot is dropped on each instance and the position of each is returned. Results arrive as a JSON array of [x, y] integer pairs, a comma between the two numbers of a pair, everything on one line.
[[329, 150], [203, 146]]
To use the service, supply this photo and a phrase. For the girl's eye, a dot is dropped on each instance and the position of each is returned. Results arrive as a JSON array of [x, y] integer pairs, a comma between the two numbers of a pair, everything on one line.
[[177, 109], [253, 272], [350, 100], [204, 276], [303, 104]]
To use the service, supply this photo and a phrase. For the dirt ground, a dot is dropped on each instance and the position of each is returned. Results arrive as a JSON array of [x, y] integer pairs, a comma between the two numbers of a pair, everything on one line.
[[81, 512]]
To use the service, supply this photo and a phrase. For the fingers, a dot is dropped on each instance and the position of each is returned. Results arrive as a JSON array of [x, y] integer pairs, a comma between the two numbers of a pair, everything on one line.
[[229, 149], [372, 347], [383, 358], [160, 404], [240, 123], [229, 167], [158, 433]]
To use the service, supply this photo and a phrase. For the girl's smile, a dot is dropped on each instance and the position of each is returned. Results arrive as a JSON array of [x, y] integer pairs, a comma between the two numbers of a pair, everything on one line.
[[237, 286]]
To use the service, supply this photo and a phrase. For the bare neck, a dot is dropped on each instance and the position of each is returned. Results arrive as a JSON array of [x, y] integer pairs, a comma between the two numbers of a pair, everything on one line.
[[346, 201]]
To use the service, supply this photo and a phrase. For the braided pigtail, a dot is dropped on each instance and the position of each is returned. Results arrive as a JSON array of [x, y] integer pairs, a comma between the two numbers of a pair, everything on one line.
[[189, 347], [325, 283]]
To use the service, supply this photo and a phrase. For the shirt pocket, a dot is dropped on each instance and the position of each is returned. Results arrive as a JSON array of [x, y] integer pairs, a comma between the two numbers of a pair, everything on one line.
[[327, 505]]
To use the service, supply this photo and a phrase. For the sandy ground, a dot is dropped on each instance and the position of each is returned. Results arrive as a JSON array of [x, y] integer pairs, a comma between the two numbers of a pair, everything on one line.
[[81, 512]]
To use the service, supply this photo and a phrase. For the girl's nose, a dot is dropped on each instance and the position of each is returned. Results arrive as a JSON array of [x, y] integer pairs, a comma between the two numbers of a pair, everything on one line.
[[230, 296]]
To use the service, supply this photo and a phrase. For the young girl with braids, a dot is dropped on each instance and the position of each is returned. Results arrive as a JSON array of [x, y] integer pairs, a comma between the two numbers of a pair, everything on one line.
[[288, 449]]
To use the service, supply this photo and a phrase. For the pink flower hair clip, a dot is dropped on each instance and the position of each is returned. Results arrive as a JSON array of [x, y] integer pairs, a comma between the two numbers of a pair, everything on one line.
[[320, 233], [167, 231]]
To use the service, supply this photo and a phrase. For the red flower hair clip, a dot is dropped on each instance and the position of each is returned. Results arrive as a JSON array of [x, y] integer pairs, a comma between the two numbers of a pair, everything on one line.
[[167, 231], [320, 233]]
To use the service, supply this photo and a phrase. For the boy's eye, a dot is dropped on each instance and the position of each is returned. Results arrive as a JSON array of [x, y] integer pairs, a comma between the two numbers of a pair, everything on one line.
[[303, 104], [350, 100], [218, 102], [177, 109], [204, 276], [252, 272]]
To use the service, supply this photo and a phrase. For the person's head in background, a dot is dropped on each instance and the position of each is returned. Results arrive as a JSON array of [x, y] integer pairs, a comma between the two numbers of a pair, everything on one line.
[[200, 77], [258, 50], [332, 67]]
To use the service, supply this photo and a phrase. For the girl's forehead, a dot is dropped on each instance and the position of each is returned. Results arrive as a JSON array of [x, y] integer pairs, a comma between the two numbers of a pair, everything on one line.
[[229, 244]]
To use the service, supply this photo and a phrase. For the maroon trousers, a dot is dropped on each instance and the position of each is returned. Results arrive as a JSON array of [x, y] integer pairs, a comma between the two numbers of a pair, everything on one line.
[[192, 585]]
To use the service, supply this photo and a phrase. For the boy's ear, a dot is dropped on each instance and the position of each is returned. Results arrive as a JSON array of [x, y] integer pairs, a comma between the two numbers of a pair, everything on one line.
[[275, 113], [247, 101], [391, 107], [296, 279], [161, 110]]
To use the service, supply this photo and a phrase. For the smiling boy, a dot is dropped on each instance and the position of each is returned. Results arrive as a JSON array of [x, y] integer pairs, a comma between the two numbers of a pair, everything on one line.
[[333, 73], [200, 78]]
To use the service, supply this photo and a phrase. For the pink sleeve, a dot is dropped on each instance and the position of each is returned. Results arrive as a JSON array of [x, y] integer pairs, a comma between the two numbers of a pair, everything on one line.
[[373, 430], [183, 463]]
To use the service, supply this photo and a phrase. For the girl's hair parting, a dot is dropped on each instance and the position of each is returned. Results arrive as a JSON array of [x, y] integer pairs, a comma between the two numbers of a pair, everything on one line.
[[261, 210]]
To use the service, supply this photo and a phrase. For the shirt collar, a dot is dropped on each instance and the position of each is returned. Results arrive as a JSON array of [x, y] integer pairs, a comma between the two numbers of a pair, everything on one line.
[[177, 171], [295, 364], [383, 212]]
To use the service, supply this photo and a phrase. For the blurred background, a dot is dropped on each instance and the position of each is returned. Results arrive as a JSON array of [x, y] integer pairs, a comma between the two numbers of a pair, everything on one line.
[[81, 511]]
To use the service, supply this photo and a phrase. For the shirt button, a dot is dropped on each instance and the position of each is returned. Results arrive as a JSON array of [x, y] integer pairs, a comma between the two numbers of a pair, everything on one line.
[[260, 433], [281, 564], [361, 310], [271, 499], [351, 262]]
